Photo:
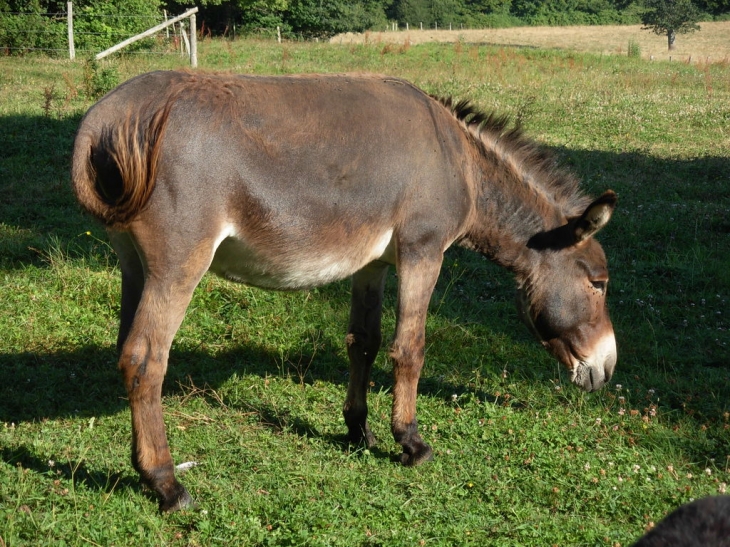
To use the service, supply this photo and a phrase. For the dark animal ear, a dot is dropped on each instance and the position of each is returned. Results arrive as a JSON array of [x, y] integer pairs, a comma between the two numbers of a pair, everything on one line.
[[578, 229], [595, 217]]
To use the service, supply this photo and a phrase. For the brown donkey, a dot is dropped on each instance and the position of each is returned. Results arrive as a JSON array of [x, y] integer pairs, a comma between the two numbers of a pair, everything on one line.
[[292, 182]]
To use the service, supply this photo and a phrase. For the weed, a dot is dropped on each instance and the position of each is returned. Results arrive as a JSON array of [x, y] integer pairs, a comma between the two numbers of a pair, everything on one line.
[[525, 108], [634, 49], [98, 79], [49, 95], [405, 46]]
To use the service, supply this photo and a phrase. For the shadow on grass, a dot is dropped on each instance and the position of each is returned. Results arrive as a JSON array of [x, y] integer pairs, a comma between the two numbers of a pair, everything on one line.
[[86, 382], [71, 471], [38, 210]]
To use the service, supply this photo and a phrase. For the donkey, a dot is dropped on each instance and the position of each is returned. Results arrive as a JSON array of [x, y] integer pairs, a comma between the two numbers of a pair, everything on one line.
[[292, 182], [701, 523]]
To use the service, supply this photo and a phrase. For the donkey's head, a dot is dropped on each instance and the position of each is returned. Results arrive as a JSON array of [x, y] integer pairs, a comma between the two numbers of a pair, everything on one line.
[[563, 298]]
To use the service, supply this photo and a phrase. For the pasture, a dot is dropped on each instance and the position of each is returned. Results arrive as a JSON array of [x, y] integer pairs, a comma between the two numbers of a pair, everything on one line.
[[710, 43], [256, 380]]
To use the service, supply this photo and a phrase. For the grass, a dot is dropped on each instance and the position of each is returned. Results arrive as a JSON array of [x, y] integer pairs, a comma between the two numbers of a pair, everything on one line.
[[257, 379]]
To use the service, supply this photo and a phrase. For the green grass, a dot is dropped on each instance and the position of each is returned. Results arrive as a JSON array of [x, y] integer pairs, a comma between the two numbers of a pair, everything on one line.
[[256, 379]]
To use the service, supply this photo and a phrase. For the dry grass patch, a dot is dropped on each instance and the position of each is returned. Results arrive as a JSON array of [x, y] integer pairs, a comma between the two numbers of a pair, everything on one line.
[[712, 41]]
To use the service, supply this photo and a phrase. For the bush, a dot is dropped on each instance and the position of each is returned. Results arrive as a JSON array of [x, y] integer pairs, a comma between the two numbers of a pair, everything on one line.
[[99, 24], [25, 27], [99, 80]]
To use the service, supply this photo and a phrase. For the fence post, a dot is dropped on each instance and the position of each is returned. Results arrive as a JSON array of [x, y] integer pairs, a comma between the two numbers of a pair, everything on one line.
[[193, 41], [70, 18], [184, 36]]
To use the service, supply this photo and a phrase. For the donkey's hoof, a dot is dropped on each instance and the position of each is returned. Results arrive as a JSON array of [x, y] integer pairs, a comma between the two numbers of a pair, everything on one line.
[[361, 436], [416, 456], [182, 501]]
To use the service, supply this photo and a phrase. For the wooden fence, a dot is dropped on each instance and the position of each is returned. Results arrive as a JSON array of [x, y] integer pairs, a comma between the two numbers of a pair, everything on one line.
[[189, 37]]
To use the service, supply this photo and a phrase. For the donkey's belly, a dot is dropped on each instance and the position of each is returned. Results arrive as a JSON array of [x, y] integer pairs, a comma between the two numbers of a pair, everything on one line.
[[309, 265]]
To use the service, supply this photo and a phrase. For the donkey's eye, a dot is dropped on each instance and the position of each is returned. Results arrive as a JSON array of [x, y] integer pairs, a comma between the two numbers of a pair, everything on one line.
[[599, 285]]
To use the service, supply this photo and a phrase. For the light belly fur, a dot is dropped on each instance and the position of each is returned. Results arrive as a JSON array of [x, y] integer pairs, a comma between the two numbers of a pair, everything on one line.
[[236, 260]]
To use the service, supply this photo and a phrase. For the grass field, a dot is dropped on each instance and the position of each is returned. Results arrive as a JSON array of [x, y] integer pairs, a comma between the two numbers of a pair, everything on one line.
[[711, 42], [257, 379]]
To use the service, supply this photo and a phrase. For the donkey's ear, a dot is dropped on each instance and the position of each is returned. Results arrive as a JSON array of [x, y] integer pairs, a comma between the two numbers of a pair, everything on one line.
[[595, 217]]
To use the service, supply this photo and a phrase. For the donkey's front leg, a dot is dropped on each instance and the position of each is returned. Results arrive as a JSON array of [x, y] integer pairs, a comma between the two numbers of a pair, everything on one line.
[[363, 343], [416, 282]]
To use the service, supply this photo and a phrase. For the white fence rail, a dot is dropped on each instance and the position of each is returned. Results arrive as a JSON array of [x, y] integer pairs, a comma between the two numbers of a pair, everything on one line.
[[192, 43]]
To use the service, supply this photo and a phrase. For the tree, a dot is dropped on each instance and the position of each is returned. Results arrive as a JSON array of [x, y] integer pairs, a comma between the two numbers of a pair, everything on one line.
[[671, 17]]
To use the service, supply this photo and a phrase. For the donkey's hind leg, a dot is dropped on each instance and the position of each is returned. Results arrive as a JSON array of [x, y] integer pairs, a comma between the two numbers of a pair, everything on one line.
[[363, 342], [132, 281], [168, 288]]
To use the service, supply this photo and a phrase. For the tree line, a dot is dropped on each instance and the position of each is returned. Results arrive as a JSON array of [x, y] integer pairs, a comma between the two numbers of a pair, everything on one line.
[[30, 23], [312, 18]]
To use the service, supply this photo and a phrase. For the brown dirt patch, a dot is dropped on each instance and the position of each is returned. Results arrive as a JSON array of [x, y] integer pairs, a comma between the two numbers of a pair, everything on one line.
[[711, 43]]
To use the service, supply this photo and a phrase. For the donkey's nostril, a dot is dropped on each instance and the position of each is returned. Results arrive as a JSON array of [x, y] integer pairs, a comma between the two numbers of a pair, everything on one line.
[[592, 380]]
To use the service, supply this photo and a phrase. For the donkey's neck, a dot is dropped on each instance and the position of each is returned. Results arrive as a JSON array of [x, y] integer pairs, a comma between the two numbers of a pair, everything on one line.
[[518, 188], [519, 193]]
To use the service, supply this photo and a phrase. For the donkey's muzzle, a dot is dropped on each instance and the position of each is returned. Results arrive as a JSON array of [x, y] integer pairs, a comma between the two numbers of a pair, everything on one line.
[[594, 372]]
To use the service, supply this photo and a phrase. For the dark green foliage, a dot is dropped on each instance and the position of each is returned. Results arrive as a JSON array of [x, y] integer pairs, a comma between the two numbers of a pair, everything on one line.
[[328, 17], [429, 12], [574, 12], [99, 24], [27, 25], [714, 7]]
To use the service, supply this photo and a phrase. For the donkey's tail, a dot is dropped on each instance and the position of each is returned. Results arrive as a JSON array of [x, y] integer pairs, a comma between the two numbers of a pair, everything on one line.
[[114, 170]]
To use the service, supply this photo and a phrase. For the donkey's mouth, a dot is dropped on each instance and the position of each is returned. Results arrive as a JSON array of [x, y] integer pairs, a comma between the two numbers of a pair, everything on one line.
[[589, 377], [588, 373], [594, 372]]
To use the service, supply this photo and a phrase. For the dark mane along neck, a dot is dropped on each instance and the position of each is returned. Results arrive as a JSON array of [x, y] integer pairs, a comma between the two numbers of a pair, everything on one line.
[[522, 190]]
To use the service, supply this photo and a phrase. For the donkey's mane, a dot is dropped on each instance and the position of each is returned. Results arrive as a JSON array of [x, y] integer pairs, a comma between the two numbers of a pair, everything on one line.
[[534, 164]]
